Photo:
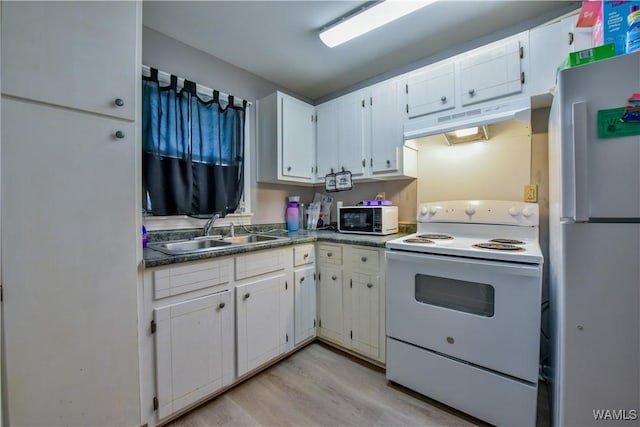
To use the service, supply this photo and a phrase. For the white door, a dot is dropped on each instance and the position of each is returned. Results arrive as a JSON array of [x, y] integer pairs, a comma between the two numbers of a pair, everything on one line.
[[298, 137], [430, 89], [194, 350], [386, 127], [330, 297], [364, 307], [594, 178], [484, 312], [68, 197], [71, 54], [491, 73], [327, 138], [261, 334], [351, 131], [305, 303]]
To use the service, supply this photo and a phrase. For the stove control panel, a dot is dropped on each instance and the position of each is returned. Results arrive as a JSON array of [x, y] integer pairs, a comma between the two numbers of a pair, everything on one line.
[[480, 211]]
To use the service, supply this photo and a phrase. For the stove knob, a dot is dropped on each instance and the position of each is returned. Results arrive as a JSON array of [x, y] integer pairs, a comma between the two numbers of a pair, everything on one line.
[[526, 212], [513, 211], [423, 211], [433, 210], [470, 210]]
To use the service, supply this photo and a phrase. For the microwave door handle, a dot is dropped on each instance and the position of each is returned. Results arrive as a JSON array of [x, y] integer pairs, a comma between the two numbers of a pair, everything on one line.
[[580, 142]]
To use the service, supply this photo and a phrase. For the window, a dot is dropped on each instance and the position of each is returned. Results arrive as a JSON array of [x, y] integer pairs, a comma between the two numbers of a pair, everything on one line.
[[193, 149]]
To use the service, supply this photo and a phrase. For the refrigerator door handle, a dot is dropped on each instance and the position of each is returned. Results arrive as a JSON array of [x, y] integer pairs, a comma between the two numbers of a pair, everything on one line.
[[580, 162]]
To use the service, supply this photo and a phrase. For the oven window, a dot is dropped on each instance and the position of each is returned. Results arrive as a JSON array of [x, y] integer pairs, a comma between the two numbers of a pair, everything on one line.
[[459, 295]]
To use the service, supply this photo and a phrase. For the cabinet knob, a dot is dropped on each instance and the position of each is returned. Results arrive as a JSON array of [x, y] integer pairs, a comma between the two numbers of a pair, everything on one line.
[[472, 92], [443, 99], [369, 285], [334, 277], [221, 305], [388, 163], [247, 295], [329, 254], [119, 134], [119, 102], [331, 170], [450, 340], [305, 256], [363, 259], [302, 279], [288, 168]]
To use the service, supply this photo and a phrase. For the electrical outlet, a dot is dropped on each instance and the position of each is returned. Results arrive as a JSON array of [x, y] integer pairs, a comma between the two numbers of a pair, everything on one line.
[[531, 193]]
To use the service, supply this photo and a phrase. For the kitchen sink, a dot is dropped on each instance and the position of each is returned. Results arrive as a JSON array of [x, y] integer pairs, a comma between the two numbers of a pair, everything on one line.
[[211, 243], [244, 239]]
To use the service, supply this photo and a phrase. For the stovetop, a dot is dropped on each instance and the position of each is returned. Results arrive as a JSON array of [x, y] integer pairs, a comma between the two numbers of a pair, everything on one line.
[[483, 229]]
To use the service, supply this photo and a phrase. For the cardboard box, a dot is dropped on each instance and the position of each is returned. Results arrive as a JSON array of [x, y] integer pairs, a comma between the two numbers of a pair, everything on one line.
[[588, 55], [614, 22]]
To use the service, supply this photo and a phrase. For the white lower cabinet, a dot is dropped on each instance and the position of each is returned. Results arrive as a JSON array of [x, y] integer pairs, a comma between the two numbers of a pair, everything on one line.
[[363, 307], [330, 307], [263, 315], [194, 350]]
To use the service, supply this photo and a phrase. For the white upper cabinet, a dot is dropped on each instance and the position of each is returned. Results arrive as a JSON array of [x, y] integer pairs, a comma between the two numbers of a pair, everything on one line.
[[341, 135], [430, 89], [385, 127], [286, 139], [491, 72], [71, 54]]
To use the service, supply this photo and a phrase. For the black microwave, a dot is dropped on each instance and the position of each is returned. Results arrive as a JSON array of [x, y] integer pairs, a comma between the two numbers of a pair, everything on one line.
[[368, 219]]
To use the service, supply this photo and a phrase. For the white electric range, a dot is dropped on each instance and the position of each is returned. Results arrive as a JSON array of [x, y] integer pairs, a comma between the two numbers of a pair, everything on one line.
[[463, 302]]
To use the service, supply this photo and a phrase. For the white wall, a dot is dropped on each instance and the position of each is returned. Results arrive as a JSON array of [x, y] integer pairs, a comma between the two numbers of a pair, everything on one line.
[[496, 169]]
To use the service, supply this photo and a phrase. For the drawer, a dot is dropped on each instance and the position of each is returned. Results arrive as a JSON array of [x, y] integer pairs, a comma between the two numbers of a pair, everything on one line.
[[330, 254], [366, 260], [186, 278], [304, 254], [255, 264]]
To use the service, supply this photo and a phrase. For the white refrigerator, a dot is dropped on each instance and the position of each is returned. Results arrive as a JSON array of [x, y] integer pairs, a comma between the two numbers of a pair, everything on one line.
[[594, 254]]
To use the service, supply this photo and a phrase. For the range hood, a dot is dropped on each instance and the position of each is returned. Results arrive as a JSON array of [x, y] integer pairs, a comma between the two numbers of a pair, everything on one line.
[[514, 109]]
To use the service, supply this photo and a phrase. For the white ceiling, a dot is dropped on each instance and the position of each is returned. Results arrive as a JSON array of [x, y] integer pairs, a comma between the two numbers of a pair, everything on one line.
[[278, 40]]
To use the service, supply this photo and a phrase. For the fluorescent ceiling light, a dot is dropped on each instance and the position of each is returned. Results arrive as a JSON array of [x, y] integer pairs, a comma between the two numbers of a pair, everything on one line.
[[466, 132], [369, 19]]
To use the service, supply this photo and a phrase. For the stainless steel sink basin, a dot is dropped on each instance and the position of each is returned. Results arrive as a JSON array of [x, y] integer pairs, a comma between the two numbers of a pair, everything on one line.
[[206, 244], [190, 246], [250, 238]]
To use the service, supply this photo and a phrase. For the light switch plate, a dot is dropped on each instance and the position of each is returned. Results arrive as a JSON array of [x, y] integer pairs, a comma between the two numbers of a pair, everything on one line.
[[531, 193]]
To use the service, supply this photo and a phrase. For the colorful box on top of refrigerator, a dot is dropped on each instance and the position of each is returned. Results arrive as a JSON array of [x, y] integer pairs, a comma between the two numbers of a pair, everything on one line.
[[612, 24]]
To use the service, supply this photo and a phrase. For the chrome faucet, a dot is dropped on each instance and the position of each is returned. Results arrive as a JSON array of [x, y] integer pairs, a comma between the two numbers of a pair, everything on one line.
[[209, 224]]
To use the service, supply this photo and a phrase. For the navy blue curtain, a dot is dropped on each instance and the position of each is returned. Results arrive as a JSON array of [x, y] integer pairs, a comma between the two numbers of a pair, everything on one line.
[[193, 150]]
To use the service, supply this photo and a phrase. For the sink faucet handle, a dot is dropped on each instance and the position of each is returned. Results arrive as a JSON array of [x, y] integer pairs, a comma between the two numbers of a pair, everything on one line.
[[232, 231]]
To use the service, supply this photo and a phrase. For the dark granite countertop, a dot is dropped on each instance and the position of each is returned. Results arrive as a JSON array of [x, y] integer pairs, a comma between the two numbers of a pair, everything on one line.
[[154, 258]]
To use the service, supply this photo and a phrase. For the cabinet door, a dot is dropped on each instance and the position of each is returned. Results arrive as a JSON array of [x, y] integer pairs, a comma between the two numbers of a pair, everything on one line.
[[490, 73], [351, 111], [68, 217], [262, 308], [305, 304], [386, 127], [330, 304], [194, 350], [430, 90], [298, 137], [75, 54], [327, 138], [364, 314]]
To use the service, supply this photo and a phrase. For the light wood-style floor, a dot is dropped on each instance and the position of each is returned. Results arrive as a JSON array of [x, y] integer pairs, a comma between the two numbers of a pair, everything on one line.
[[322, 386]]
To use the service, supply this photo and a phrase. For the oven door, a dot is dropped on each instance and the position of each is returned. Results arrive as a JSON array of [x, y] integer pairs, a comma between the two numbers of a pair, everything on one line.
[[483, 312]]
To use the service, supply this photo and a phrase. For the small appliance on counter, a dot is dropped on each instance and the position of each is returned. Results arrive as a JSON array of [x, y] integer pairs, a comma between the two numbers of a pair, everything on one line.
[[379, 220]]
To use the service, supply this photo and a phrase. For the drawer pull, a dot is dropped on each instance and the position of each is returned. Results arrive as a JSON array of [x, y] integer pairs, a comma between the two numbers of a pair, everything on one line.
[[305, 256], [301, 279], [334, 277], [363, 259], [450, 340], [119, 102], [329, 254], [247, 295], [119, 134], [369, 285], [221, 305]]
